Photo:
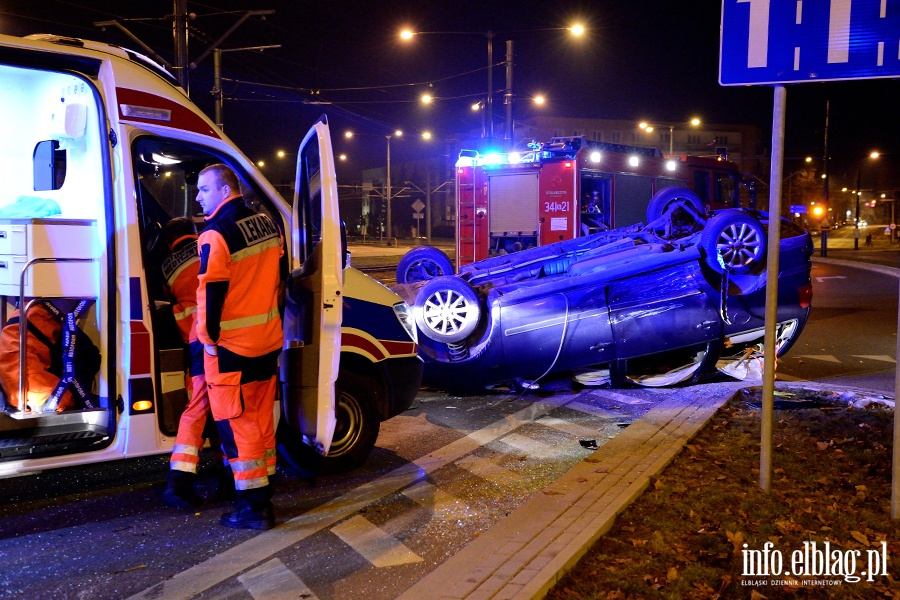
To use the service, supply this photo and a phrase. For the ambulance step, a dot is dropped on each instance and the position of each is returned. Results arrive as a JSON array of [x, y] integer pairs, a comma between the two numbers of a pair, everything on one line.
[[51, 434]]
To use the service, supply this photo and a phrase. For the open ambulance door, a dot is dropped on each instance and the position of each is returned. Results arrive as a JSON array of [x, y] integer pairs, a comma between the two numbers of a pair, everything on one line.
[[313, 306]]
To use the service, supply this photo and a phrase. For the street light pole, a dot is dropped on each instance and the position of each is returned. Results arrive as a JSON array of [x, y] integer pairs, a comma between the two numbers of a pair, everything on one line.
[[856, 230], [489, 105], [508, 95], [387, 188]]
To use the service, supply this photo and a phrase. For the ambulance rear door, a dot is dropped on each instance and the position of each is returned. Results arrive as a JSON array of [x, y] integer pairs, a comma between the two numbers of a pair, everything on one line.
[[313, 306]]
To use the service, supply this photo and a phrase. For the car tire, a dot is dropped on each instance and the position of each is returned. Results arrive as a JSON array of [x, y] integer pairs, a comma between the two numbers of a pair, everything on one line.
[[355, 433], [673, 194], [447, 310], [423, 263], [734, 241]]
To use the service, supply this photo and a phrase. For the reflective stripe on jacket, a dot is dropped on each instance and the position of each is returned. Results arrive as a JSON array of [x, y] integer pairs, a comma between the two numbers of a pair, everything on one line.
[[239, 277]]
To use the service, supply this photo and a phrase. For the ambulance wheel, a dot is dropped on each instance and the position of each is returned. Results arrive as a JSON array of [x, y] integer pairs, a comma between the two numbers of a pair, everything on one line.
[[447, 310], [734, 241], [354, 433], [423, 263], [673, 195]]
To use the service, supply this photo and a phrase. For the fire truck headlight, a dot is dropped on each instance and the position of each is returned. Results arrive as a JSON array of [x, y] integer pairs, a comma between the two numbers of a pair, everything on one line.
[[401, 309], [671, 165], [634, 161], [595, 157]]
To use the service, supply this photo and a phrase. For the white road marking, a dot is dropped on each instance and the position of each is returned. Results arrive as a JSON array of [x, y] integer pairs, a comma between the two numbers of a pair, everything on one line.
[[229, 563], [881, 357], [533, 448], [373, 543], [822, 357], [575, 429], [487, 469], [822, 279], [444, 506], [596, 411], [618, 397], [272, 580]]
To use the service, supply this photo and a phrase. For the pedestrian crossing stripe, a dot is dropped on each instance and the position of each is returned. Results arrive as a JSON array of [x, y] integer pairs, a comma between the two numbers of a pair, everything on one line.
[[822, 357], [488, 469], [444, 506], [373, 543], [834, 359], [533, 448], [273, 579], [881, 357]]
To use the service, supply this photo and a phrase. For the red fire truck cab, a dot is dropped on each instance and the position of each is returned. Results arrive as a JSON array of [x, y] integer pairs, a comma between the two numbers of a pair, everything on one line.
[[571, 187]]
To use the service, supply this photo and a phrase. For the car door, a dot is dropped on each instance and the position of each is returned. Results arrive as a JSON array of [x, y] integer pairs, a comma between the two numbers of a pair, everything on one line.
[[313, 296]]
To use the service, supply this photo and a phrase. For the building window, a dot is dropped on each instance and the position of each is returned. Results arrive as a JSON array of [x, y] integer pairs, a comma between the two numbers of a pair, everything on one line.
[[557, 133], [577, 132], [598, 136], [721, 140], [694, 139], [615, 137]]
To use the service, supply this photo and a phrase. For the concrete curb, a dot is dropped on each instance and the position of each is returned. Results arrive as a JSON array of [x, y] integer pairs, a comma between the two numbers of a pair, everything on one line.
[[892, 271], [526, 553]]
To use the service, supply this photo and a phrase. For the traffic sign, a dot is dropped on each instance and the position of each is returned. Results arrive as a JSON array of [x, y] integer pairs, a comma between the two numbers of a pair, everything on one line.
[[418, 205], [786, 41]]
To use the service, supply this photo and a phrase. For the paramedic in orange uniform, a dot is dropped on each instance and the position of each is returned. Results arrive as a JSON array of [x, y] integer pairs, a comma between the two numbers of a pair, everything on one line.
[[43, 331], [180, 272], [239, 323]]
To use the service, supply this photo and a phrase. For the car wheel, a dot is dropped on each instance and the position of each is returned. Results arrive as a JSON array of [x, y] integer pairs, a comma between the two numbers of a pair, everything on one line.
[[735, 242], [665, 198], [423, 263], [447, 309], [354, 433]]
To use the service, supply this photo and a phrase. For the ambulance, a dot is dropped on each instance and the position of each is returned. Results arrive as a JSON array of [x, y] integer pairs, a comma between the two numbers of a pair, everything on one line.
[[99, 149]]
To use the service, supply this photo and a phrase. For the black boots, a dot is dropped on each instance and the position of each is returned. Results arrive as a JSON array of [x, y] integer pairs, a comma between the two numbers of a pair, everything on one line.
[[224, 485], [179, 492], [252, 511]]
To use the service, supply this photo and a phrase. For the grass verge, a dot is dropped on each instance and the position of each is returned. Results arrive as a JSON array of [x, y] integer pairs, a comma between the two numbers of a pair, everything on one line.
[[701, 530]]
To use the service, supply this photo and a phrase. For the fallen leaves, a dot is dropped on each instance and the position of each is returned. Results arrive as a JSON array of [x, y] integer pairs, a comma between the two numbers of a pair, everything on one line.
[[860, 537], [683, 537]]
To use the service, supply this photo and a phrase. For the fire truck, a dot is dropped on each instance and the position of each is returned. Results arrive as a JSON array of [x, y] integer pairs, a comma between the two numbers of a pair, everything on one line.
[[572, 187]]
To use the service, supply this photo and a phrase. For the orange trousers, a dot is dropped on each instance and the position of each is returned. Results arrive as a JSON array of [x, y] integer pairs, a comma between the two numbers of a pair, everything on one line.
[[242, 400]]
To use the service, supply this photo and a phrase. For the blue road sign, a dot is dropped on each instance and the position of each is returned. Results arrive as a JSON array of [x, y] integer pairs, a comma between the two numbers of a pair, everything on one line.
[[792, 41]]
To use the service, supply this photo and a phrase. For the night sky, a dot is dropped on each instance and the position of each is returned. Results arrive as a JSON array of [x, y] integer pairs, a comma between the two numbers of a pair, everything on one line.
[[640, 59]]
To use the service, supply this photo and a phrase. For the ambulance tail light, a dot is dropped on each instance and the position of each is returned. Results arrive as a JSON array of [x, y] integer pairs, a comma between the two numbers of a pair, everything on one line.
[[404, 315], [805, 293], [141, 406]]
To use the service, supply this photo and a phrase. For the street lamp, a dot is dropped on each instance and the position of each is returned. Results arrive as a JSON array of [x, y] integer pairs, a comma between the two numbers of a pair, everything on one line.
[[648, 127], [873, 155], [576, 30], [388, 192]]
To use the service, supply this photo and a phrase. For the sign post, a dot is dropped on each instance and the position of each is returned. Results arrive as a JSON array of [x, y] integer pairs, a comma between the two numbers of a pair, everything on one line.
[[417, 207], [775, 42]]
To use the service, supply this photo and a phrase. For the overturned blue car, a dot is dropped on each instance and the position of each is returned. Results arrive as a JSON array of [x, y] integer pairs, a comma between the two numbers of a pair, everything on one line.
[[675, 300]]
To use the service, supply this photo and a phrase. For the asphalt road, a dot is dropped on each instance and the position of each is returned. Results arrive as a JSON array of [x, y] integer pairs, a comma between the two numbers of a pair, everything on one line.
[[441, 474], [850, 337]]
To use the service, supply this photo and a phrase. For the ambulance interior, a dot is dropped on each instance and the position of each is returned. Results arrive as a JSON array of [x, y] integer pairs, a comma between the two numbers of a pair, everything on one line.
[[54, 215]]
